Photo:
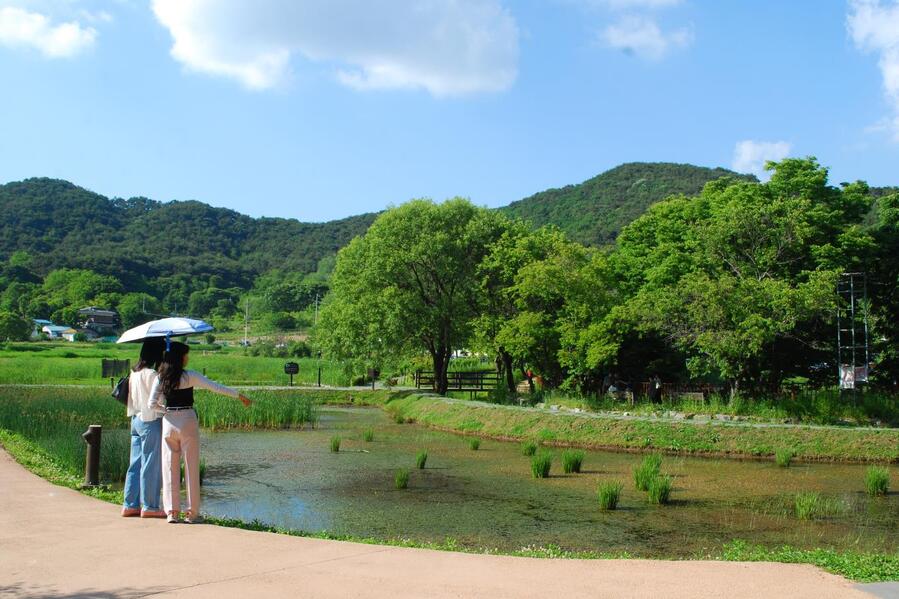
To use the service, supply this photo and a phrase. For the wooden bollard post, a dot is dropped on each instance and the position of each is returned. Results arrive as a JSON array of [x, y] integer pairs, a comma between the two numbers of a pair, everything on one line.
[[92, 460]]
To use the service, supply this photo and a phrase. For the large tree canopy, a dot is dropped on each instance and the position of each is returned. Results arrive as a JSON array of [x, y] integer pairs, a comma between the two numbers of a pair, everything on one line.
[[410, 284]]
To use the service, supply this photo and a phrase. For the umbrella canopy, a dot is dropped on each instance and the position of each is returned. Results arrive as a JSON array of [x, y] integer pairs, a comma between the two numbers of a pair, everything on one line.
[[165, 327]]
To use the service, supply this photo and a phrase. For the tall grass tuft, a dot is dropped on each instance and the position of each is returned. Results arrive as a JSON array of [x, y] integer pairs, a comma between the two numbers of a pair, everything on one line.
[[647, 471], [541, 464], [572, 460], [421, 459], [783, 457], [807, 505], [877, 481], [659, 490], [609, 493], [474, 444], [368, 435], [528, 448], [335, 444], [398, 418], [401, 478]]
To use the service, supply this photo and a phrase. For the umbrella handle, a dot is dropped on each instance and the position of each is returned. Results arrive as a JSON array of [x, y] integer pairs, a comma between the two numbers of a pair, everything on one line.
[[168, 341]]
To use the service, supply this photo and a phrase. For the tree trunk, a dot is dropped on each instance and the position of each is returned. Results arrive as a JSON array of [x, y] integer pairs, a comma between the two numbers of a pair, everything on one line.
[[506, 358], [441, 364]]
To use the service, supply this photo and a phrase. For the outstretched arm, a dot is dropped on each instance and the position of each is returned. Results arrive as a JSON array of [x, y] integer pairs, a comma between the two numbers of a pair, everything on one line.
[[195, 379]]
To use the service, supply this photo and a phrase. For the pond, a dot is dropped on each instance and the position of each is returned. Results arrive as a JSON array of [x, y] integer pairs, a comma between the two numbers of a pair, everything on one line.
[[488, 498]]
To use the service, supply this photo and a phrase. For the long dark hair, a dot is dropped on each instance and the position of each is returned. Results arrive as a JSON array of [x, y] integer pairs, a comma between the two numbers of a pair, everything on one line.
[[150, 355], [172, 367]]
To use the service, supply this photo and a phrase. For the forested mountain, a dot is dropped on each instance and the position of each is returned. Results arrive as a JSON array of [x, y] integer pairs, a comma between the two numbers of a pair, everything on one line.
[[593, 212], [153, 246]]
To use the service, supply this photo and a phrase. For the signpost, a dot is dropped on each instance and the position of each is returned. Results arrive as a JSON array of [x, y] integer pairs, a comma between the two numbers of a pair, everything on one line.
[[291, 368]]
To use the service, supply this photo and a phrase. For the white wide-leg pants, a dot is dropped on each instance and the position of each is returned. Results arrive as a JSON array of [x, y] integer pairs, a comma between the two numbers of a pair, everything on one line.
[[180, 438]]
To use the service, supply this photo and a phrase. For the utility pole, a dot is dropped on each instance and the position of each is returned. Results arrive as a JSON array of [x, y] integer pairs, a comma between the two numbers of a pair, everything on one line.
[[246, 322], [315, 318]]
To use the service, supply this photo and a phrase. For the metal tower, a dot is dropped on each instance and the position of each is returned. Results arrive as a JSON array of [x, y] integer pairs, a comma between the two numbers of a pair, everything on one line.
[[853, 350]]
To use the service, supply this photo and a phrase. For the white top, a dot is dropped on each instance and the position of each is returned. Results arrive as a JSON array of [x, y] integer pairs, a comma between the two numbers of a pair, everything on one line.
[[140, 384], [190, 378]]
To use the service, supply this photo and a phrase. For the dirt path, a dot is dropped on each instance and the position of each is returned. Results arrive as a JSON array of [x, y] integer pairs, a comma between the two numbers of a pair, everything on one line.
[[55, 542]]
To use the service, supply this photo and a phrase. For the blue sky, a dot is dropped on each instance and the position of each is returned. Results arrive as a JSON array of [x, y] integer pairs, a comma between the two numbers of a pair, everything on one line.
[[322, 109]]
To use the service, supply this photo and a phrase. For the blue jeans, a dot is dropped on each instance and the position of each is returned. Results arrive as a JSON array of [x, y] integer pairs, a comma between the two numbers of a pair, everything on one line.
[[144, 478]]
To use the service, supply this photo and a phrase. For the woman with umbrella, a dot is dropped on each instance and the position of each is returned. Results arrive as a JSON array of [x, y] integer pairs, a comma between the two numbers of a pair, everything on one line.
[[180, 429], [143, 478]]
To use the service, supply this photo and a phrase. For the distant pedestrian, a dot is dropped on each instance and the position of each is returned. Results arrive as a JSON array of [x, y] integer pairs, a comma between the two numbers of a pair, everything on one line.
[[655, 389]]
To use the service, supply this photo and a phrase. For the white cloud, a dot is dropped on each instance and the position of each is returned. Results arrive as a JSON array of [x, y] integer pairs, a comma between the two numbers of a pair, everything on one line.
[[451, 47], [20, 28], [750, 156], [641, 36], [874, 27]]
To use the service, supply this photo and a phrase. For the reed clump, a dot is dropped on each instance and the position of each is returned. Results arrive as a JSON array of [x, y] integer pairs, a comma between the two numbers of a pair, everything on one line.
[[528, 448], [421, 459], [647, 471], [474, 444], [783, 457], [401, 478], [368, 435], [335, 444], [572, 460], [659, 491], [541, 464], [877, 481], [609, 493], [808, 505]]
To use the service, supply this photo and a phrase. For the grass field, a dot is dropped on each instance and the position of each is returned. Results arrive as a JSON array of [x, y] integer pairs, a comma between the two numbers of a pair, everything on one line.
[[80, 364]]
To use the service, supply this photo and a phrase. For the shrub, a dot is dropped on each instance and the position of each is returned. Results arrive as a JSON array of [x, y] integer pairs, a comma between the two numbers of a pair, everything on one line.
[[877, 481], [529, 448], [609, 492], [783, 457], [647, 471], [474, 444], [572, 460], [541, 464], [401, 478], [659, 490], [368, 435], [808, 505], [335, 444], [421, 459]]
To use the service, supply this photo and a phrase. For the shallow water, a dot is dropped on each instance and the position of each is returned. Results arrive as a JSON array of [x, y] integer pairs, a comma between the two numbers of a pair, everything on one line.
[[488, 499]]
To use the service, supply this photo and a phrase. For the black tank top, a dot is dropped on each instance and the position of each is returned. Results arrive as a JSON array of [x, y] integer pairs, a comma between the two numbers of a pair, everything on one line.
[[180, 398]]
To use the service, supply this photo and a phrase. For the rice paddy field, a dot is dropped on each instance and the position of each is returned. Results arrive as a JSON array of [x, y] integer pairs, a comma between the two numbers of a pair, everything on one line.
[[80, 364]]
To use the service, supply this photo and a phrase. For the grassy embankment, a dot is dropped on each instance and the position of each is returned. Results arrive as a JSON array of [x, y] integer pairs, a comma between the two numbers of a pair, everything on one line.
[[59, 363], [585, 430]]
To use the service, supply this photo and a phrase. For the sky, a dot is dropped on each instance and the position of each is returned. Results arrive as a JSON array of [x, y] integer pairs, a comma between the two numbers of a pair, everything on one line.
[[322, 109]]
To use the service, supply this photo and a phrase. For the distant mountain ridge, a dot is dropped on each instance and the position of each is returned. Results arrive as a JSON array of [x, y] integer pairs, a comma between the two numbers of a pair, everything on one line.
[[138, 240], [593, 212], [190, 245]]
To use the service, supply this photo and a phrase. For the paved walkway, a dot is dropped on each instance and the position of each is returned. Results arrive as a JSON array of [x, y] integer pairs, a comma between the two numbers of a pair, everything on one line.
[[55, 542]]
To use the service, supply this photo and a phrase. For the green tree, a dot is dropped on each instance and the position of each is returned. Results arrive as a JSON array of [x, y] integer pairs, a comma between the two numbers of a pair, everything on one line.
[[137, 308], [736, 273], [410, 284], [13, 327]]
